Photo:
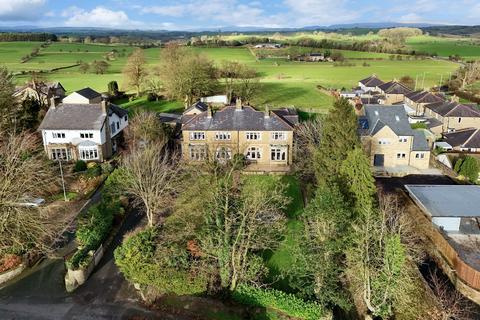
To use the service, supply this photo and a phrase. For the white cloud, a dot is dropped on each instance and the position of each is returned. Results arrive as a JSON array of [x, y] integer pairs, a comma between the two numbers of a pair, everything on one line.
[[314, 12], [21, 10], [97, 17], [411, 18]]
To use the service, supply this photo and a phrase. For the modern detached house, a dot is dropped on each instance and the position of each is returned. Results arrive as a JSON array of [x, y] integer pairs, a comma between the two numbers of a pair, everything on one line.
[[264, 138], [82, 127], [370, 84], [390, 142]]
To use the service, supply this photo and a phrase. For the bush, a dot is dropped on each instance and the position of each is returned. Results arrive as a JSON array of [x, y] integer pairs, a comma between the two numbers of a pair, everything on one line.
[[94, 171], [93, 229], [279, 300], [80, 166], [136, 260], [419, 125], [468, 167]]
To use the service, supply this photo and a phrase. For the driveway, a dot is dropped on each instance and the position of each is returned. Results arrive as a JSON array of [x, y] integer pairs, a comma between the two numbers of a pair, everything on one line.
[[40, 292]]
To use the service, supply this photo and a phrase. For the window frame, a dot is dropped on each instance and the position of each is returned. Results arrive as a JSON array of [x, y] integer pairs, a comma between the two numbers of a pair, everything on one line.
[[279, 135], [278, 154], [249, 134], [193, 135], [219, 134], [257, 152], [93, 153]]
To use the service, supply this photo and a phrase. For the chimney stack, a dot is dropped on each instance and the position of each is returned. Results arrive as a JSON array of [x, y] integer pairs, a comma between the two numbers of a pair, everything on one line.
[[239, 104], [52, 103], [267, 112], [209, 112], [104, 107]]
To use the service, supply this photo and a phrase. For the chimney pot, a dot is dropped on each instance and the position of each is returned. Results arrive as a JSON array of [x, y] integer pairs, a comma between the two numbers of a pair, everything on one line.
[[267, 112], [52, 103]]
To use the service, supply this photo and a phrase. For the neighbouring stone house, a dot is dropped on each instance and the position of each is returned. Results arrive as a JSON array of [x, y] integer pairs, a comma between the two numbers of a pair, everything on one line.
[[448, 116], [417, 100], [465, 140], [264, 138], [389, 140], [393, 92], [83, 127], [42, 92]]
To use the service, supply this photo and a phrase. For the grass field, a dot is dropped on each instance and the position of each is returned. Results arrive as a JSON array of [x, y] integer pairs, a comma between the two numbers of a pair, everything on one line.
[[467, 48], [283, 83]]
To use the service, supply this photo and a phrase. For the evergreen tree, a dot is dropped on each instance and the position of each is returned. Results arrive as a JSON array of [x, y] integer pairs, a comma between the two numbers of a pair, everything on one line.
[[339, 136], [469, 168]]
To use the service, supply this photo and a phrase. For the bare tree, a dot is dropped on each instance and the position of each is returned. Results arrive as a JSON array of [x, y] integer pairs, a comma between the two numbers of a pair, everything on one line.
[[239, 79], [469, 73], [150, 174], [135, 70], [144, 128], [308, 136], [24, 172], [451, 303]]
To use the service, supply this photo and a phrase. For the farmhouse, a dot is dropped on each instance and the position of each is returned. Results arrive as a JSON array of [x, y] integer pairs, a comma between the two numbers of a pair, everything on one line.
[[389, 140], [450, 116], [393, 92], [82, 127], [264, 138], [417, 100]]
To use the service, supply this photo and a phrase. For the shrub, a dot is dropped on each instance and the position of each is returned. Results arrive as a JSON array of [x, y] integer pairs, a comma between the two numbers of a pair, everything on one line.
[[137, 261], [106, 167], [93, 229], [94, 171], [419, 125], [468, 167], [279, 300], [80, 166]]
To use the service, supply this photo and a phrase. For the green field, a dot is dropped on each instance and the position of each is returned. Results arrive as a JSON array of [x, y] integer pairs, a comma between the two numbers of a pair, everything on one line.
[[283, 83], [467, 48]]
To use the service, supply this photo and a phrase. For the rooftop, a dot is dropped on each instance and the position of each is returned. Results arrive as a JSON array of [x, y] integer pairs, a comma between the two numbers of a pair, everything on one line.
[[244, 118], [88, 93], [454, 109], [394, 87], [424, 97], [460, 201], [372, 81], [467, 138]]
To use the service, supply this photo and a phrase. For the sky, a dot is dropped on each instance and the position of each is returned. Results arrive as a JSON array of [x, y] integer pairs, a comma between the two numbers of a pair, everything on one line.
[[208, 14]]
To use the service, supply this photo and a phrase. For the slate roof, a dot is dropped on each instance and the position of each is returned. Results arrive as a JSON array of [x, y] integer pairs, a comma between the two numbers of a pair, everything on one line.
[[232, 118], [467, 138], [454, 109], [77, 117], [394, 87], [88, 93], [288, 114], [424, 97], [379, 116], [372, 81]]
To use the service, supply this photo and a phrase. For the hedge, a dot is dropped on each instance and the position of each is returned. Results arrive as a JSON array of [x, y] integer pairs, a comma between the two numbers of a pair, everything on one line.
[[279, 300], [93, 229]]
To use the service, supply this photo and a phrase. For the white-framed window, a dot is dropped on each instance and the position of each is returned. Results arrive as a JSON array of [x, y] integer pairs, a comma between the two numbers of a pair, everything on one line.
[[88, 153], [279, 135], [58, 135], [223, 153], [197, 135], [420, 155], [61, 154], [253, 135], [383, 141], [253, 153], [222, 135], [88, 135], [401, 155], [278, 154], [118, 125], [198, 153], [402, 139]]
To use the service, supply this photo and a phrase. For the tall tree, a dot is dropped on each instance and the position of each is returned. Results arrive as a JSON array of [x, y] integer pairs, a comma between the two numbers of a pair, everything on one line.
[[9, 107], [24, 171], [135, 70], [238, 79], [339, 136], [187, 75]]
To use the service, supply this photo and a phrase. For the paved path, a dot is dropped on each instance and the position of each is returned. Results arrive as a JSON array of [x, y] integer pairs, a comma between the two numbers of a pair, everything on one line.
[[40, 292]]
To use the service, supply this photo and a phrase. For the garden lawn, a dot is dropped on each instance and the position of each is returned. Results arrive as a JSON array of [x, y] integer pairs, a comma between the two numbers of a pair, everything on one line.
[[144, 105]]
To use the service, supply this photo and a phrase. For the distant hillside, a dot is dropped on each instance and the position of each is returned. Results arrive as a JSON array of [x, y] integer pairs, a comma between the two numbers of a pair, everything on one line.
[[453, 30]]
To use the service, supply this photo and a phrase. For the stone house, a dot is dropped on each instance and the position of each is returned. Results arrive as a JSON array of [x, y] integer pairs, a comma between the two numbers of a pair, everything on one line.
[[370, 84], [264, 138], [448, 116], [417, 100], [393, 92], [389, 140]]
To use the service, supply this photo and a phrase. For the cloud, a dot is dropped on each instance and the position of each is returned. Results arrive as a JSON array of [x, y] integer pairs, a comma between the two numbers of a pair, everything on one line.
[[97, 17], [21, 10], [411, 18], [314, 12]]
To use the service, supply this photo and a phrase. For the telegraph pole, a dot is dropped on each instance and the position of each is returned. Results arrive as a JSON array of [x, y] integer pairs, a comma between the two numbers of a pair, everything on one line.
[[63, 180]]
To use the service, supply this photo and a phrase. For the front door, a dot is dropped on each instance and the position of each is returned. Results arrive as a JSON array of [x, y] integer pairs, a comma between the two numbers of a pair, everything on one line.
[[378, 160]]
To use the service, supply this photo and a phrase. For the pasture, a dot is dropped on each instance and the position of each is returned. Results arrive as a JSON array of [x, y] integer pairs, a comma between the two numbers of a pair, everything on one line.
[[467, 48], [283, 83]]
